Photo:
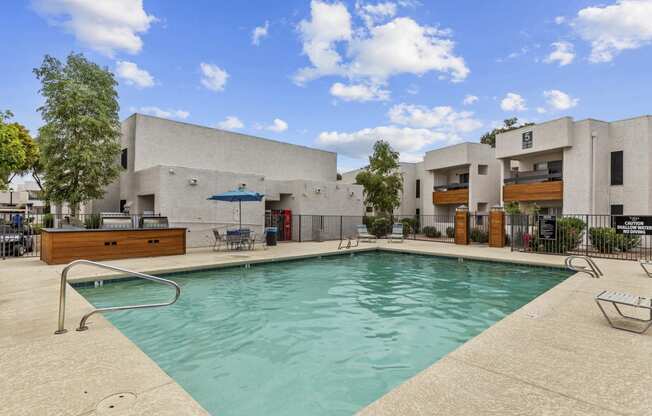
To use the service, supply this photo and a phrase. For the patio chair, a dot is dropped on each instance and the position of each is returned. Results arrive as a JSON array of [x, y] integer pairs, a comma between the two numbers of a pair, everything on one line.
[[397, 233], [631, 301], [219, 239], [647, 266], [363, 234], [262, 241]]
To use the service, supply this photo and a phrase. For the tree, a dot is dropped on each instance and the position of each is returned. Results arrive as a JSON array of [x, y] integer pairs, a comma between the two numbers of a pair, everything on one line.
[[80, 139], [508, 125], [18, 151], [382, 180]]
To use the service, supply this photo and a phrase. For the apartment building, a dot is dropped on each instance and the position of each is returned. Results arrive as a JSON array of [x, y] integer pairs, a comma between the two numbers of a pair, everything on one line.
[[172, 168], [578, 167], [25, 198], [462, 174]]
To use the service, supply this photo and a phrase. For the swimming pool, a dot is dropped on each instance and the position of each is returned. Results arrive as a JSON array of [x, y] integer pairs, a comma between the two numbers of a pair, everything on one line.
[[317, 336]]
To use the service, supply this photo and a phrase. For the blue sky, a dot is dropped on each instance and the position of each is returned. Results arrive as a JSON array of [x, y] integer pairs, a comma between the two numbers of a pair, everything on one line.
[[339, 75]]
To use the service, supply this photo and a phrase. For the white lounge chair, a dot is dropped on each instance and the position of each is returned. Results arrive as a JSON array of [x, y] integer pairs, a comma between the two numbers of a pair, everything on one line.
[[397, 233], [363, 234], [647, 266], [631, 301], [219, 239]]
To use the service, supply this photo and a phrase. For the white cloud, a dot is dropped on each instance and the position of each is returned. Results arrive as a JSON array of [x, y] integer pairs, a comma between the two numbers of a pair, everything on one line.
[[213, 77], [158, 112], [408, 141], [329, 23], [470, 99], [359, 92], [559, 100], [560, 20], [403, 46], [374, 13], [258, 33], [612, 29], [513, 102], [104, 26], [277, 126], [541, 110], [563, 53], [374, 53], [443, 118], [230, 123], [133, 75]]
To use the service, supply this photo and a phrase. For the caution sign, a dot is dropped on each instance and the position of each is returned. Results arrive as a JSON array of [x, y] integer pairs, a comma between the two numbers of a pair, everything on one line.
[[633, 225], [547, 227]]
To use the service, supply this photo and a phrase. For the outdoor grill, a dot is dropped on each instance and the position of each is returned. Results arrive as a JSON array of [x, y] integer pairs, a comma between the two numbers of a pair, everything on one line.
[[153, 222], [113, 222]]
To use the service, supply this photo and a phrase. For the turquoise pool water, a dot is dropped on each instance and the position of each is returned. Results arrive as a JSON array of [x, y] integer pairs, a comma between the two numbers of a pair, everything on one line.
[[319, 336]]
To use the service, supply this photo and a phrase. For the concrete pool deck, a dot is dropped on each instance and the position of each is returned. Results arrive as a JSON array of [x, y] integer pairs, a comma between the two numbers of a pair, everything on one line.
[[554, 356]]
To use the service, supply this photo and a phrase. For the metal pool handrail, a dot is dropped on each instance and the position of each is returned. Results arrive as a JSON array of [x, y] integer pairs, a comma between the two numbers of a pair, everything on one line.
[[82, 323], [592, 270]]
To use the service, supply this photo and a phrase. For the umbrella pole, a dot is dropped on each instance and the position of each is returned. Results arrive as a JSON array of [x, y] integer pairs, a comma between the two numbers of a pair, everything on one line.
[[240, 211]]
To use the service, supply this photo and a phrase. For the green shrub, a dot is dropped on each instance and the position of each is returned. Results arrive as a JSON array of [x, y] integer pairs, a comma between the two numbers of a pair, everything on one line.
[[380, 226], [478, 235], [48, 221], [627, 242], [512, 208], [431, 232], [450, 232], [409, 226], [603, 239], [92, 221]]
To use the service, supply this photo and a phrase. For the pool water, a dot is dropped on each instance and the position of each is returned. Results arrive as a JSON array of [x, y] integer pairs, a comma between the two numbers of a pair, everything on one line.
[[318, 336]]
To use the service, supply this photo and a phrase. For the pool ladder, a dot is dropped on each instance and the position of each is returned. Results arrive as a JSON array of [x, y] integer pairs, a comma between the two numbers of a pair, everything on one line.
[[82, 323], [591, 268]]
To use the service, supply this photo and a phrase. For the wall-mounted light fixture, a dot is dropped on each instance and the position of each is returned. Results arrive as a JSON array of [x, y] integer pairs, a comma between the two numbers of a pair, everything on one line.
[[193, 181], [171, 171]]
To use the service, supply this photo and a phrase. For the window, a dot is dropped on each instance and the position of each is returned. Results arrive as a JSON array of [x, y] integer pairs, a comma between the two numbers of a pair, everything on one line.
[[418, 188], [527, 139], [464, 178], [482, 169], [617, 210], [418, 213], [122, 205], [617, 168], [124, 158], [482, 207], [370, 209], [541, 166]]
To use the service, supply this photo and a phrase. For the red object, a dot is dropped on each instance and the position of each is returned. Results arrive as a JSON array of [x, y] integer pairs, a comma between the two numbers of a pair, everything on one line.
[[287, 225]]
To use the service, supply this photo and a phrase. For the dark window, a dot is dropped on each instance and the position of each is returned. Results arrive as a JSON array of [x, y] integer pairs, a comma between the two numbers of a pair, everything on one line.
[[124, 159], [616, 210], [122, 205], [483, 169], [617, 168], [464, 178], [527, 139], [370, 209], [418, 212], [418, 188]]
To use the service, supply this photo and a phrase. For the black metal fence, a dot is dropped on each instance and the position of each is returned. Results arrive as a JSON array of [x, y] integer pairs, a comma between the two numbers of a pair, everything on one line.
[[587, 235], [20, 234]]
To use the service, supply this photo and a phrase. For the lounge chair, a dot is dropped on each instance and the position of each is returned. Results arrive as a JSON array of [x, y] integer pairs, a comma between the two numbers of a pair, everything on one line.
[[348, 244], [624, 299], [363, 234], [219, 239], [647, 266], [397, 233]]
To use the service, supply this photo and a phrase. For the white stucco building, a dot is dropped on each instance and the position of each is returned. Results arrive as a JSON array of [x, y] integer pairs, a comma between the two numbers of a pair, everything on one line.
[[23, 197], [579, 167], [172, 168], [462, 174]]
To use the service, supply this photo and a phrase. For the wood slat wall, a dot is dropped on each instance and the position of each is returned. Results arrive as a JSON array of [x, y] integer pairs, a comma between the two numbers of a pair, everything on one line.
[[539, 191], [497, 229], [454, 196], [64, 247]]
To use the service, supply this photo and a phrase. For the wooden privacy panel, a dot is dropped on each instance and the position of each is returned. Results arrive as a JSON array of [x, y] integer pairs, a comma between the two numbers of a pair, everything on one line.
[[454, 196], [462, 227], [497, 228], [538, 191], [59, 247]]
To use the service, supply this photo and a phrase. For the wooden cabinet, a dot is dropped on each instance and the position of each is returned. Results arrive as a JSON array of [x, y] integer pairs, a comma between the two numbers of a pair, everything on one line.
[[63, 246]]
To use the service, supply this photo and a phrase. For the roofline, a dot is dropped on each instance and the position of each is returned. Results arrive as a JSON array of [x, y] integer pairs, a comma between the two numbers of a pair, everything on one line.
[[455, 145], [136, 114]]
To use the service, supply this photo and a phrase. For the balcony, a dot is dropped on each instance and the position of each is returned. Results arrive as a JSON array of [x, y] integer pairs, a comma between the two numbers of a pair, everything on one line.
[[453, 193], [534, 186]]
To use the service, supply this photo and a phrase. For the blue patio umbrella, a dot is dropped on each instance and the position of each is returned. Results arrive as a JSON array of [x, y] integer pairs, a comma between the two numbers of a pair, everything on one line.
[[239, 195]]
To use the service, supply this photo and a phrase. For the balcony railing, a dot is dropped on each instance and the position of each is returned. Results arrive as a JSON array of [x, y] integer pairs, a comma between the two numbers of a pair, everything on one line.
[[533, 191], [533, 176], [451, 196], [451, 186]]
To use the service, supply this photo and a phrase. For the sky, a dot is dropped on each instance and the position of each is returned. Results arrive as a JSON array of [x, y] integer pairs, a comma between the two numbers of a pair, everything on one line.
[[339, 75]]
